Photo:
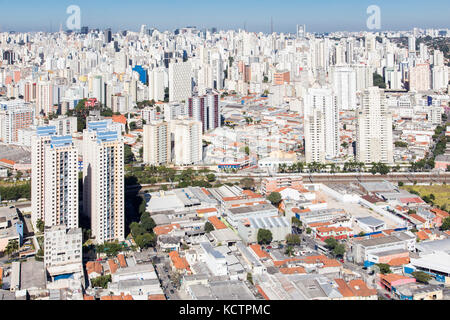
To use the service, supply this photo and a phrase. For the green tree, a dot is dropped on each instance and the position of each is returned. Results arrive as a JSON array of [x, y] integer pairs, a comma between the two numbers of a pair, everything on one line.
[[384, 268], [293, 239], [445, 224], [247, 183], [101, 282], [209, 227], [378, 81], [11, 247], [339, 250], [128, 155], [296, 222], [136, 229], [211, 177], [308, 230], [264, 236], [331, 243], [421, 276], [274, 198], [146, 240], [147, 222], [249, 277], [40, 225], [289, 251]]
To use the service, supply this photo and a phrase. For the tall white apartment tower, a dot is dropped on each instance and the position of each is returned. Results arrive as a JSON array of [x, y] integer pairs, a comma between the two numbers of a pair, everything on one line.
[[321, 125], [54, 179], [157, 144], [344, 86], [103, 181], [374, 128], [180, 81], [188, 141], [156, 85]]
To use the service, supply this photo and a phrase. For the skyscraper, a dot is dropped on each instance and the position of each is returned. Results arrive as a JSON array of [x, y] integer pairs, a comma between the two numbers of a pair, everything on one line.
[[180, 81], [157, 143], [321, 125], [54, 179], [188, 141], [374, 128], [14, 115], [206, 110], [103, 181], [344, 85]]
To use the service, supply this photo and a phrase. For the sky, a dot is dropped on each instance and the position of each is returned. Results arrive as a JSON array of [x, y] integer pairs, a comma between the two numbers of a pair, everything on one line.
[[255, 15]]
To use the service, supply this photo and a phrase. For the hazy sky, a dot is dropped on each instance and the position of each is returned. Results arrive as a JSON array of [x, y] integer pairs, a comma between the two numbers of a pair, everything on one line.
[[318, 15]]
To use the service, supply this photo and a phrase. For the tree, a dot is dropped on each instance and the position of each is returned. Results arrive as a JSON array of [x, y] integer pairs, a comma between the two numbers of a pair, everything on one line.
[[248, 183], [40, 225], [384, 268], [331, 243], [296, 222], [308, 230], [209, 227], [339, 250], [101, 282], [264, 236], [421, 276], [147, 222], [128, 155], [211, 177], [11, 247], [445, 224], [249, 277], [362, 234], [293, 239], [136, 230], [400, 184], [274, 198], [378, 81], [146, 240], [289, 251]]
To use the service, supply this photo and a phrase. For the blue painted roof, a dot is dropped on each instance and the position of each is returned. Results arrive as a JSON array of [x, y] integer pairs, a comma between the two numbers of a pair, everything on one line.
[[46, 131]]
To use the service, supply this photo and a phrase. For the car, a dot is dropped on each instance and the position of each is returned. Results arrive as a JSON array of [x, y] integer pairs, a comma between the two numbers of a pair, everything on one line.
[[269, 247]]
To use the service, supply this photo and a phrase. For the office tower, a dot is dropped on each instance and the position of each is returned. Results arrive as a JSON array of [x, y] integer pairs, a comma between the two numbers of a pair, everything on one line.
[[187, 135], [374, 128], [321, 125], [62, 246], [420, 77], [157, 143], [180, 81], [14, 115], [103, 181], [156, 85], [54, 177], [344, 86], [108, 35], [206, 110]]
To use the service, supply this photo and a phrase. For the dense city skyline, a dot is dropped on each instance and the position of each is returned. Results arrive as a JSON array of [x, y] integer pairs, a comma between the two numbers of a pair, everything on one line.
[[255, 16]]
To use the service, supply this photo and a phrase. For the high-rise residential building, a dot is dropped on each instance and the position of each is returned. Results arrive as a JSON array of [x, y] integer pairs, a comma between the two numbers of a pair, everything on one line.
[[344, 86], [64, 125], [156, 85], [54, 179], [206, 110], [62, 246], [420, 77], [187, 135], [157, 143], [103, 181], [439, 77], [374, 128], [44, 98], [321, 125], [14, 115], [180, 81]]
